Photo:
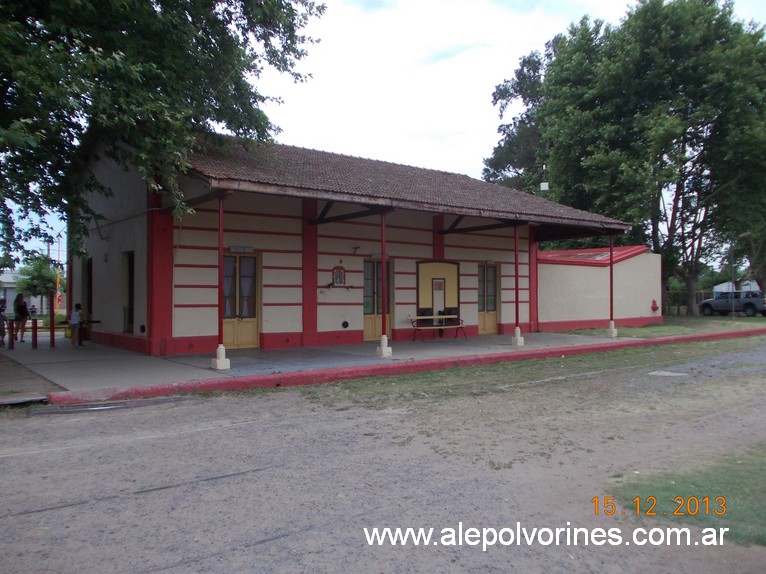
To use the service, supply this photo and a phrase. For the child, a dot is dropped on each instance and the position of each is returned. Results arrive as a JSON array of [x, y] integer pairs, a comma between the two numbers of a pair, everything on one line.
[[75, 319]]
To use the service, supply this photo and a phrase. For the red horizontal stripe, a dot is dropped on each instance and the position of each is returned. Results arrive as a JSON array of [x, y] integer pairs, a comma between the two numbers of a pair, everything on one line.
[[262, 232], [389, 227], [339, 254], [250, 213], [348, 271], [494, 236], [482, 248], [194, 228], [407, 257], [376, 240], [196, 248]]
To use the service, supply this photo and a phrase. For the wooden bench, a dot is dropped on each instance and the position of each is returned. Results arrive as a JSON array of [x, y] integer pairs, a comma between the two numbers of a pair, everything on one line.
[[422, 323]]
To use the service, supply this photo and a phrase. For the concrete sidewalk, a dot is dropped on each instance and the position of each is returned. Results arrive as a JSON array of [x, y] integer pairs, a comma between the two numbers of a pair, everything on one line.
[[95, 373]]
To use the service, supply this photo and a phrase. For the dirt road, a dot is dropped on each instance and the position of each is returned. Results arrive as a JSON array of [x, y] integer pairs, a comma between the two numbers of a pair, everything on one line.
[[286, 481]]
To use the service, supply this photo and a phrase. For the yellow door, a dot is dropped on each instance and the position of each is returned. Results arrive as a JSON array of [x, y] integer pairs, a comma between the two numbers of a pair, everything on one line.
[[373, 317], [240, 305], [487, 299]]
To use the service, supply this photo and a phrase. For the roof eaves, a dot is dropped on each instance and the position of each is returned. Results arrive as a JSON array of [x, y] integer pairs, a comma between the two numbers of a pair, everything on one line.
[[598, 223], [579, 257]]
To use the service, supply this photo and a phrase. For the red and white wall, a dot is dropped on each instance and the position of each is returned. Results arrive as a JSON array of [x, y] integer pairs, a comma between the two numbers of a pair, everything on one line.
[[175, 271]]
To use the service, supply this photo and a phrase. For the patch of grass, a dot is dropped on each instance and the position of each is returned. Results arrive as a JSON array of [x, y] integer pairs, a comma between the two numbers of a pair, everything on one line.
[[427, 388], [683, 326], [739, 479], [255, 391], [495, 465]]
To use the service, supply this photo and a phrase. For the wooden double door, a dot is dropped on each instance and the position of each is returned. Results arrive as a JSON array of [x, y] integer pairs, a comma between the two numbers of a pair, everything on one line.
[[488, 290], [373, 303]]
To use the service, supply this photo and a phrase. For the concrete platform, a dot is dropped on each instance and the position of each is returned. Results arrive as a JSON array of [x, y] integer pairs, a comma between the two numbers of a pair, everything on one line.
[[95, 373]]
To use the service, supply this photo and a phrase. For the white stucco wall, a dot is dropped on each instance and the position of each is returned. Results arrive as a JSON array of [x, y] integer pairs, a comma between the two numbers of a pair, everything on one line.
[[581, 293], [271, 228], [121, 229], [481, 247]]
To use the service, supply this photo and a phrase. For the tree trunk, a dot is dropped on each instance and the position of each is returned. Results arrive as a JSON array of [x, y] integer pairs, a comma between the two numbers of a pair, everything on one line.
[[756, 256], [691, 295], [759, 277]]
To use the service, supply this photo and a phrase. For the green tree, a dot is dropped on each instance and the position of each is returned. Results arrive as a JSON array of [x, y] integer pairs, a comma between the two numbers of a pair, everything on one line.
[[39, 277], [137, 80], [514, 161], [654, 121]]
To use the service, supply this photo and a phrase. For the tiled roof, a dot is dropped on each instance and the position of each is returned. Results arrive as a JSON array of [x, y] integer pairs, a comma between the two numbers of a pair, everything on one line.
[[597, 257], [301, 172]]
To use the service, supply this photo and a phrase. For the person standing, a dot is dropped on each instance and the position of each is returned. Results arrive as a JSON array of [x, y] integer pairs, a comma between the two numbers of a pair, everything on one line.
[[75, 320], [21, 317]]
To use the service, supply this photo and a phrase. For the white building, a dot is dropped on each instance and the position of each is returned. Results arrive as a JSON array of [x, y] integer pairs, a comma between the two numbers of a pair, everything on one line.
[[295, 247]]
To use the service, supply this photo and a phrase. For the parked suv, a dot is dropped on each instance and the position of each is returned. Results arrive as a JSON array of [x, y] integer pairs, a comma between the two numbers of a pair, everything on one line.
[[749, 302]]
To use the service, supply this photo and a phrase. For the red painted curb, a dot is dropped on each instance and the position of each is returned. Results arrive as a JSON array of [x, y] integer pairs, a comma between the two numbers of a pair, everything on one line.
[[384, 369]]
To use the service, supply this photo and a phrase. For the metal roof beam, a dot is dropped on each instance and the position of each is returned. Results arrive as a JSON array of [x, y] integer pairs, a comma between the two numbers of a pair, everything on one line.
[[325, 210], [200, 199], [323, 218]]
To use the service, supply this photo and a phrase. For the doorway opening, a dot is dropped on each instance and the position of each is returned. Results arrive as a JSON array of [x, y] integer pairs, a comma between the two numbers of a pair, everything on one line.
[[240, 304]]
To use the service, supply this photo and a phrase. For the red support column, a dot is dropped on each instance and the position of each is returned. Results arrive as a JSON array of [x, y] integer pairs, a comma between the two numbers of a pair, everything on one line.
[[221, 363], [220, 270], [517, 339], [159, 280], [52, 318], [516, 269], [383, 278], [611, 279], [438, 238], [533, 278], [310, 234]]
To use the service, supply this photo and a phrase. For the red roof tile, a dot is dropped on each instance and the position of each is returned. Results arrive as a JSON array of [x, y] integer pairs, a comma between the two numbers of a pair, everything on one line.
[[295, 171], [596, 257]]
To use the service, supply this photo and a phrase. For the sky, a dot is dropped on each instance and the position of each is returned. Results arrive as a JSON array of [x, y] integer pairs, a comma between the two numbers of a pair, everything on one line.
[[411, 81]]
